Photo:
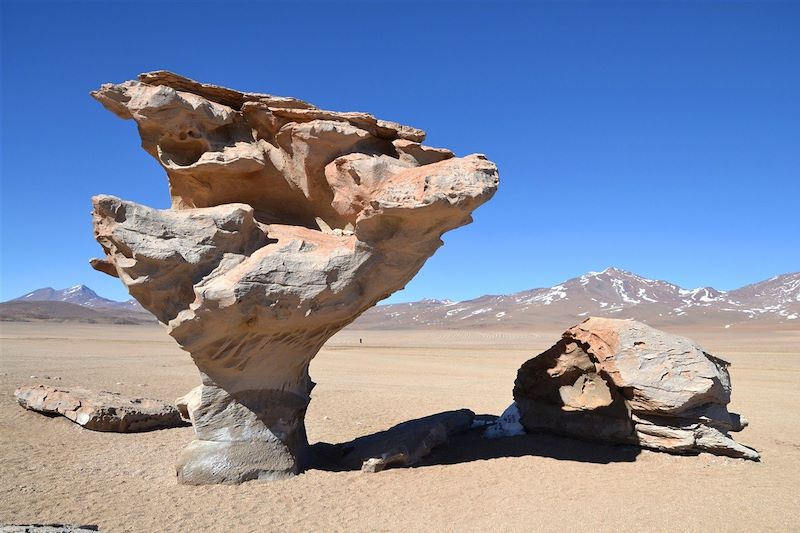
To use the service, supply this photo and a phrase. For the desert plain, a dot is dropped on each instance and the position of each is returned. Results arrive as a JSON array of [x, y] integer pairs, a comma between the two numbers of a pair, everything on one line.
[[53, 470]]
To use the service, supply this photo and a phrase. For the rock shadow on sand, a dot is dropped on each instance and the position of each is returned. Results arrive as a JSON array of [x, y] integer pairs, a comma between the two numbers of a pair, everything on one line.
[[442, 439]]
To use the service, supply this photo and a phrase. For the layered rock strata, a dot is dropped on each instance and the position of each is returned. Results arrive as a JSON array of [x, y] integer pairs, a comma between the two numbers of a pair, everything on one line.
[[287, 222], [623, 381]]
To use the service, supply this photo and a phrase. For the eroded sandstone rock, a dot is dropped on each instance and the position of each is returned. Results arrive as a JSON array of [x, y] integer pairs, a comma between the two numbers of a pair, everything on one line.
[[287, 222], [99, 410], [623, 381]]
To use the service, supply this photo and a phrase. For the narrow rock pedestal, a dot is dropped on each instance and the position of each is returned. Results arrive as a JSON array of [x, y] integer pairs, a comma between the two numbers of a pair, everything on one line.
[[245, 435]]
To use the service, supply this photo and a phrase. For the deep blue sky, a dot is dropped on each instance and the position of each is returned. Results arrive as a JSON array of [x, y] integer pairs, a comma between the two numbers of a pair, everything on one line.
[[660, 138]]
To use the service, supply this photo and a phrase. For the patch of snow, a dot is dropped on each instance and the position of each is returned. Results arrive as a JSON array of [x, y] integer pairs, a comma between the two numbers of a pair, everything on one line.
[[477, 312], [586, 278], [767, 309], [508, 425], [553, 294], [620, 288], [643, 296]]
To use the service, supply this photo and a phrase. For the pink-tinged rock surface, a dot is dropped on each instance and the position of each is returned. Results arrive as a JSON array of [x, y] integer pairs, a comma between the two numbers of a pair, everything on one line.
[[624, 381], [99, 410], [287, 222]]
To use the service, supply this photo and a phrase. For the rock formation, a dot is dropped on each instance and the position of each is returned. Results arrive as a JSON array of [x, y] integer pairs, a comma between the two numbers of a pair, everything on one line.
[[404, 444], [623, 381], [287, 222], [99, 410]]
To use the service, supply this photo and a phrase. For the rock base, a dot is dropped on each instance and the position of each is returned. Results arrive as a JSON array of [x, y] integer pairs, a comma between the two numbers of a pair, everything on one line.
[[205, 462], [244, 436]]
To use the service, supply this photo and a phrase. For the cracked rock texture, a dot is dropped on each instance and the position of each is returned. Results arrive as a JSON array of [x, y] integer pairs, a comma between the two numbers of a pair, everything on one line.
[[287, 222], [99, 410], [623, 381]]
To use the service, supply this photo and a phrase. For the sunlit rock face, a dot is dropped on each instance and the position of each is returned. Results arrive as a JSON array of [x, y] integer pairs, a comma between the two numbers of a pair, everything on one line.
[[624, 381], [287, 222]]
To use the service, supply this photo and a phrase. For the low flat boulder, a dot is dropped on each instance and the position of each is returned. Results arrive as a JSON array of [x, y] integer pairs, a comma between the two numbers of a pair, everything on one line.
[[99, 410], [624, 381], [400, 446]]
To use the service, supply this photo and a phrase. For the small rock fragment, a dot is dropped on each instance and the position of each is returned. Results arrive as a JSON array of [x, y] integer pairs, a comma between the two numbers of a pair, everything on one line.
[[48, 528], [377, 464]]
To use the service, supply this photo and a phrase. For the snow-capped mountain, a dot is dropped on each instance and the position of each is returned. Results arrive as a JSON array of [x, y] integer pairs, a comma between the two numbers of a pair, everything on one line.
[[80, 295], [779, 295], [612, 292]]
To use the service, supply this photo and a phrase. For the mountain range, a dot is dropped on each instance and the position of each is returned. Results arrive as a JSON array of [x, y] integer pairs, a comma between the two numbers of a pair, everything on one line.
[[74, 304], [613, 292], [79, 295]]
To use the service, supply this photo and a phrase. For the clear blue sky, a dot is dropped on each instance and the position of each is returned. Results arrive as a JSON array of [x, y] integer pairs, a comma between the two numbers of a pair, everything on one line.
[[657, 137]]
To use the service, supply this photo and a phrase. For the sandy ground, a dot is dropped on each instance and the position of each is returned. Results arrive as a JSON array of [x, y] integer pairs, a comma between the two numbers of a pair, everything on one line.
[[54, 471]]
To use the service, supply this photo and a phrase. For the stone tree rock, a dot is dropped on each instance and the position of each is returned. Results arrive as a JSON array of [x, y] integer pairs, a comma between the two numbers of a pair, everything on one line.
[[99, 410], [287, 222], [623, 381]]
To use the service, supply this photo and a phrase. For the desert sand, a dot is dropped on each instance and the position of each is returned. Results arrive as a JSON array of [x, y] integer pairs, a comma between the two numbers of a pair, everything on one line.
[[55, 471]]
